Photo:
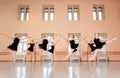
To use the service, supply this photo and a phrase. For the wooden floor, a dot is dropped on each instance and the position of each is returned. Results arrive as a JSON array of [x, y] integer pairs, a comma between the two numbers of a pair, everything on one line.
[[60, 69]]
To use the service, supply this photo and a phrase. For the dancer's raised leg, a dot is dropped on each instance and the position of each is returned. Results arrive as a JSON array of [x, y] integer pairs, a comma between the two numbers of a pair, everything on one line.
[[111, 40], [4, 50]]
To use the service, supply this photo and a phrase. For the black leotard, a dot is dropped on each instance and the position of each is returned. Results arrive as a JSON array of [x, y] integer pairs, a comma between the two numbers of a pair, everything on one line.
[[44, 44], [98, 43], [31, 48], [73, 45], [14, 45], [91, 46], [52, 49]]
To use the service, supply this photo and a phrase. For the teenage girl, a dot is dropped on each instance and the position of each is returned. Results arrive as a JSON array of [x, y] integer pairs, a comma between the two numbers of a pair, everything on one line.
[[12, 46], [31, 48], [99, 43], [72, 43]]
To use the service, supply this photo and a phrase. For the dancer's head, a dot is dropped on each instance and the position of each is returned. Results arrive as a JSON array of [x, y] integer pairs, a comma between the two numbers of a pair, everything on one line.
[[72, 36], [16, 34], [96, 35], [32, 41]]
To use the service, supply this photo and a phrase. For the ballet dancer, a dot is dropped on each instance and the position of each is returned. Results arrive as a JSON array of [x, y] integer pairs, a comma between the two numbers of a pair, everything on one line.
[[72, 43], [47, 46], [99, 43], [91, 44], [51, 48], [31, 49], [13, 46], [44, 43]]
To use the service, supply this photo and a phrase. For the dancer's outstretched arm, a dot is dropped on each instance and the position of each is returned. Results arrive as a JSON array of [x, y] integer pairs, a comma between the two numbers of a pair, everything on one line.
[[6, 36], [107, 40], [63, 37], [81, 38], [102, 39], [85, 40], [56, 42], [38, 41], [90, 36]]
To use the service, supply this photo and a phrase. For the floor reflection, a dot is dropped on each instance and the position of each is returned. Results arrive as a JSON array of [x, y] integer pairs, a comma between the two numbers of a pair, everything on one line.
[[74, 69], [20, 70], [98, 69], [102, 69], [47, 69], [60, 69]]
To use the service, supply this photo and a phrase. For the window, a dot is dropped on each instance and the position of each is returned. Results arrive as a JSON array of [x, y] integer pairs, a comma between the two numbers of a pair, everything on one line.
[[22, 46], [73, 12], [23, 13], [98, 12], [48, 13]]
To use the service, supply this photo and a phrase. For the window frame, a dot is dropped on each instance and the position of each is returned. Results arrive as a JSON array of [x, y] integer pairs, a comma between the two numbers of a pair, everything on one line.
[[97, 16], [73, 7], [49, 7], [25, 12]]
